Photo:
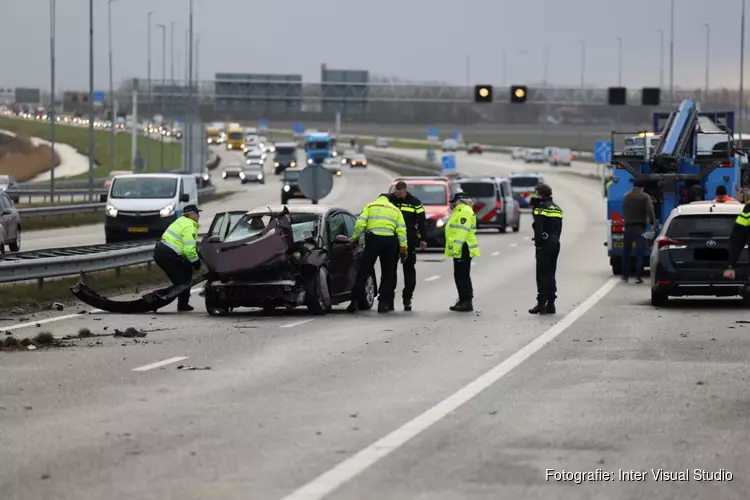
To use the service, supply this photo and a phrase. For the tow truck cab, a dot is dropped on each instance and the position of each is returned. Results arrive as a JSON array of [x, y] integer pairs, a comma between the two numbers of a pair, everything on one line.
[[691, 149]]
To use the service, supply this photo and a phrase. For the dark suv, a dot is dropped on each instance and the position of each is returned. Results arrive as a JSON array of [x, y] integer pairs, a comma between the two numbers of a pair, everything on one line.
[[691, 253]]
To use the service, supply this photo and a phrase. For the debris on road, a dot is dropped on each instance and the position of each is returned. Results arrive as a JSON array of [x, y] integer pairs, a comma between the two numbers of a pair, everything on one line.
[[17, 311], [42, 339], [193, 368], [31, 347], [129, 333], [57, 306]]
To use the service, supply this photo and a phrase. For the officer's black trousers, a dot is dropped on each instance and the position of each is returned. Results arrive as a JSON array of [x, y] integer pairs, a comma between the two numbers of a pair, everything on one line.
[[177, 268], [546, 268], [410, 275], [462, 275], [384, 248]]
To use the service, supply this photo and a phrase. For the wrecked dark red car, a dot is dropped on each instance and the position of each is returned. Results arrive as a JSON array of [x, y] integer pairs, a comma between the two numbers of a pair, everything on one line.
[[282, 257]]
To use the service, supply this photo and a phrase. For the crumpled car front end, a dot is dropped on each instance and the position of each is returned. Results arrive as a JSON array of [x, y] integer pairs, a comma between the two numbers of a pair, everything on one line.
[[267, 269]]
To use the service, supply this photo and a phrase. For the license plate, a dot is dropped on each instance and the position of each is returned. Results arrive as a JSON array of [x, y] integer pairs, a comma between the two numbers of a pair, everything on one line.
[[620, 244], [298, 195], [137, 229]]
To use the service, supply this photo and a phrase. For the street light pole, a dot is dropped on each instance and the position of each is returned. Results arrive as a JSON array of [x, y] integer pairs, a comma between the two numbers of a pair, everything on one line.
[[198, 57], [545, 57], [113, 115], [163, 29], [91, 100], [171, 55], [191, 110], [149, 110], [708, 56], [671, 54], [619, 61], [505, 67], [661, 59], [742, 77], [583, 62], [52, 116]]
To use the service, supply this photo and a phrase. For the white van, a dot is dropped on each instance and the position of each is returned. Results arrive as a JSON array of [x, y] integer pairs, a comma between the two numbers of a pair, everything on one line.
[[450, 145], [142, 206]]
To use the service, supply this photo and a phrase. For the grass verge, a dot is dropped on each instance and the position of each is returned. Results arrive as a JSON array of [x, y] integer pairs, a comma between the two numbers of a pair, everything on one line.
[[78, 137], [23, 160], [73, 220], [28, 298]]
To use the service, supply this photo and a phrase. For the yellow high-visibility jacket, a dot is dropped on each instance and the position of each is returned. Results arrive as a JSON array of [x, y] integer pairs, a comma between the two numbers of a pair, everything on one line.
[[383, 218], [181, 236], [461, 228]]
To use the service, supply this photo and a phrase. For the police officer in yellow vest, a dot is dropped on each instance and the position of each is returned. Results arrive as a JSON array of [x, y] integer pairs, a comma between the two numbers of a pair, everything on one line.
[[385, 238], [461, 245], [739, 237], [177, 252]]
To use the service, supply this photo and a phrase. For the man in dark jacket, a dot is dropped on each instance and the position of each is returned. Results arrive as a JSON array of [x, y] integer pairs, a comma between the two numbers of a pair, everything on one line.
[[638, 213], [548, 219], [414, 217]]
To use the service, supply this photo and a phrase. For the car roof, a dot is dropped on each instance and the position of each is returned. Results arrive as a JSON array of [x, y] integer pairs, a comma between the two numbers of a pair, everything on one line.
[[296, 209], [525, 174], [252, 167], [286, 144], [153, 176], [708, 207], [478, 178]]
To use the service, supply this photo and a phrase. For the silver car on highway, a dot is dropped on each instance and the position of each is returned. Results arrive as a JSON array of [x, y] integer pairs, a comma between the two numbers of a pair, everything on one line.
[[10, 225]]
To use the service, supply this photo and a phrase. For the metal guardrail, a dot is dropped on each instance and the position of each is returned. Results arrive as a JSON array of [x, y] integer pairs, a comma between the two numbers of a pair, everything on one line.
[[84, 208]]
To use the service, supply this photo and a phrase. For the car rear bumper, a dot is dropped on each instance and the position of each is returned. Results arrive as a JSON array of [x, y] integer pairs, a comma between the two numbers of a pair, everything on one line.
[[277, 292], [709, 282]]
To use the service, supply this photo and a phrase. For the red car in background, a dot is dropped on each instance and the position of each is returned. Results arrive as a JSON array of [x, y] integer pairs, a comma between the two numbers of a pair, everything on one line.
[[475, 148]]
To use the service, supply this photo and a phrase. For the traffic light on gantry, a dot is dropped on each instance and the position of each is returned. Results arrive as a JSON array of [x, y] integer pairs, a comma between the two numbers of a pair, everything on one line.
[[518, 93], [483, 93]]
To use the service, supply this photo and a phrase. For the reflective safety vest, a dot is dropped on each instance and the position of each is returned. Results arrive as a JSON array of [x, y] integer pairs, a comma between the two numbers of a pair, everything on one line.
[[383, 218], [461, 228], [724, 199], [744, 218], [606, 186], [181, 236]]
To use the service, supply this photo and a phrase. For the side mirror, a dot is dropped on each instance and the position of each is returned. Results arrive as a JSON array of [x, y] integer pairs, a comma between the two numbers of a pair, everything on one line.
[[102, 198], [184, 198], [7, 211], [341, 239], [214, 239]]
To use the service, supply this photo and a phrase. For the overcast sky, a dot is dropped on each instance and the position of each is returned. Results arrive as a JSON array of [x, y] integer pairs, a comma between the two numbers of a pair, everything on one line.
[[411, 39]]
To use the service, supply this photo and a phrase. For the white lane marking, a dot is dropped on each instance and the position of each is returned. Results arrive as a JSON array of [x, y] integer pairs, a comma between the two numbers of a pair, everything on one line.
[[353, 466], [514, 244], [66, 316], [527, 237], [159, 364], [495, 254], [297, 323], [432, 278]]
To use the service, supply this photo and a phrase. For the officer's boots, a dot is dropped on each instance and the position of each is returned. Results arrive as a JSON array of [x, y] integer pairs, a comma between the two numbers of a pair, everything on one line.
[[384, 307], [463, 306], [550, 309], [353, 307], [539, 308], [407, 303]]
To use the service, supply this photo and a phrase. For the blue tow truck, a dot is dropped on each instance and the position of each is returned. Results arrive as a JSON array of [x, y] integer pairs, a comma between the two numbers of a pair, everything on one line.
[[686, 148], [318, 147]]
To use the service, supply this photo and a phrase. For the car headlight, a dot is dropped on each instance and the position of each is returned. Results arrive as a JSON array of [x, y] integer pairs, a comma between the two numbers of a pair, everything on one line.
[[229, 146], [260, 177], [167, 211], [338, 172], [335, 154], [206, 177], [309, 162], [242, 175], [286, 188], [111, 211], [293, 164], [275, 164], [223, 175], [343, 161], [273, 149]]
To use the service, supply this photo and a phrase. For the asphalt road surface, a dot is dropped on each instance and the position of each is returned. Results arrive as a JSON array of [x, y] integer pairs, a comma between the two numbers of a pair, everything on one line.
[[423, 405]]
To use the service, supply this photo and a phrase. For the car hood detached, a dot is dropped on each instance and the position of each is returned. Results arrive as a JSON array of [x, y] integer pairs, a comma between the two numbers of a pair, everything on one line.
[[241, 258]]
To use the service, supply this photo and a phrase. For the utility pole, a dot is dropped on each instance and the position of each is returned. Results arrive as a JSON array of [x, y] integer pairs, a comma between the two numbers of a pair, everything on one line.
[[171, 54], [468, 70], [52, 115], [91, 101], [741, 113], [112, 110], [149, 110], [197, 58], [190, 93], [708, 57], [583, 63], [545, 57], [505, 67], [671, 54], [619, 61], [162, 94], [661, 59]]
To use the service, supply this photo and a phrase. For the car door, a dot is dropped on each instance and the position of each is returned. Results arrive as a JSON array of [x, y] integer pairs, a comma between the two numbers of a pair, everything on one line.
[[511, 206], [356, 254], [340, 256], [5, 219], [222, 223]]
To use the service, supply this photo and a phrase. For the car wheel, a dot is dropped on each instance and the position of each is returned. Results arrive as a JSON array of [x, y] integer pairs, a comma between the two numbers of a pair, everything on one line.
[[659, 298], [517, 227], [318, 296], [367, 299], [213, 306], [284, 200], [15, 246]]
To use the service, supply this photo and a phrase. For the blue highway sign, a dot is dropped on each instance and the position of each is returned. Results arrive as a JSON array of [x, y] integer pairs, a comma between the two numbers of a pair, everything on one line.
[[98, 96], [456, 134], [603, 152], [298, 129], [449, 162], [432, 134], [263, 123]]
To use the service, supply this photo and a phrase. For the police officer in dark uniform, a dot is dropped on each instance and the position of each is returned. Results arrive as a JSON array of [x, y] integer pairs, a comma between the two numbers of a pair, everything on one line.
[[414, 217], [548, 218]]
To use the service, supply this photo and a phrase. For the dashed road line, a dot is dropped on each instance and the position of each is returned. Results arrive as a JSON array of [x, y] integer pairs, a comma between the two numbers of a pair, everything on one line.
[[355, 465], [513, 245], [495, 254], [159, 364], [432, 278], [297, 323]]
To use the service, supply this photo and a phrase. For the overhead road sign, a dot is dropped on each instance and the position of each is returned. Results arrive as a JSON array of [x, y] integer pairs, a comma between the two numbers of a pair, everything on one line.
[[433, 134], [618, 96], [650, 96], [603, 152]]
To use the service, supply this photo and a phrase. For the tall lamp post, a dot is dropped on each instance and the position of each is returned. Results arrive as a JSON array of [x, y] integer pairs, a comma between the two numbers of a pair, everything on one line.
[[671, 54], [583, 63], [742, 77], [52, 116], [619, 61], [91, 100], [149, 110], [661, 59], [112, 110], [163, 29], [708, 56]]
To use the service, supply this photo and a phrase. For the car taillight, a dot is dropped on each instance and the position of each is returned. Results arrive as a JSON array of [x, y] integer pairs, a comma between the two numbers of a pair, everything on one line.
[[667, 242], [727, 164], [618, 226], [499, 204], [571, 156]]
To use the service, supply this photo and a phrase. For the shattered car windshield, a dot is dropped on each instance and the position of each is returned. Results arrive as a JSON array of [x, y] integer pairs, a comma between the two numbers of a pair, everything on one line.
[[250, 225], [144, 187]]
